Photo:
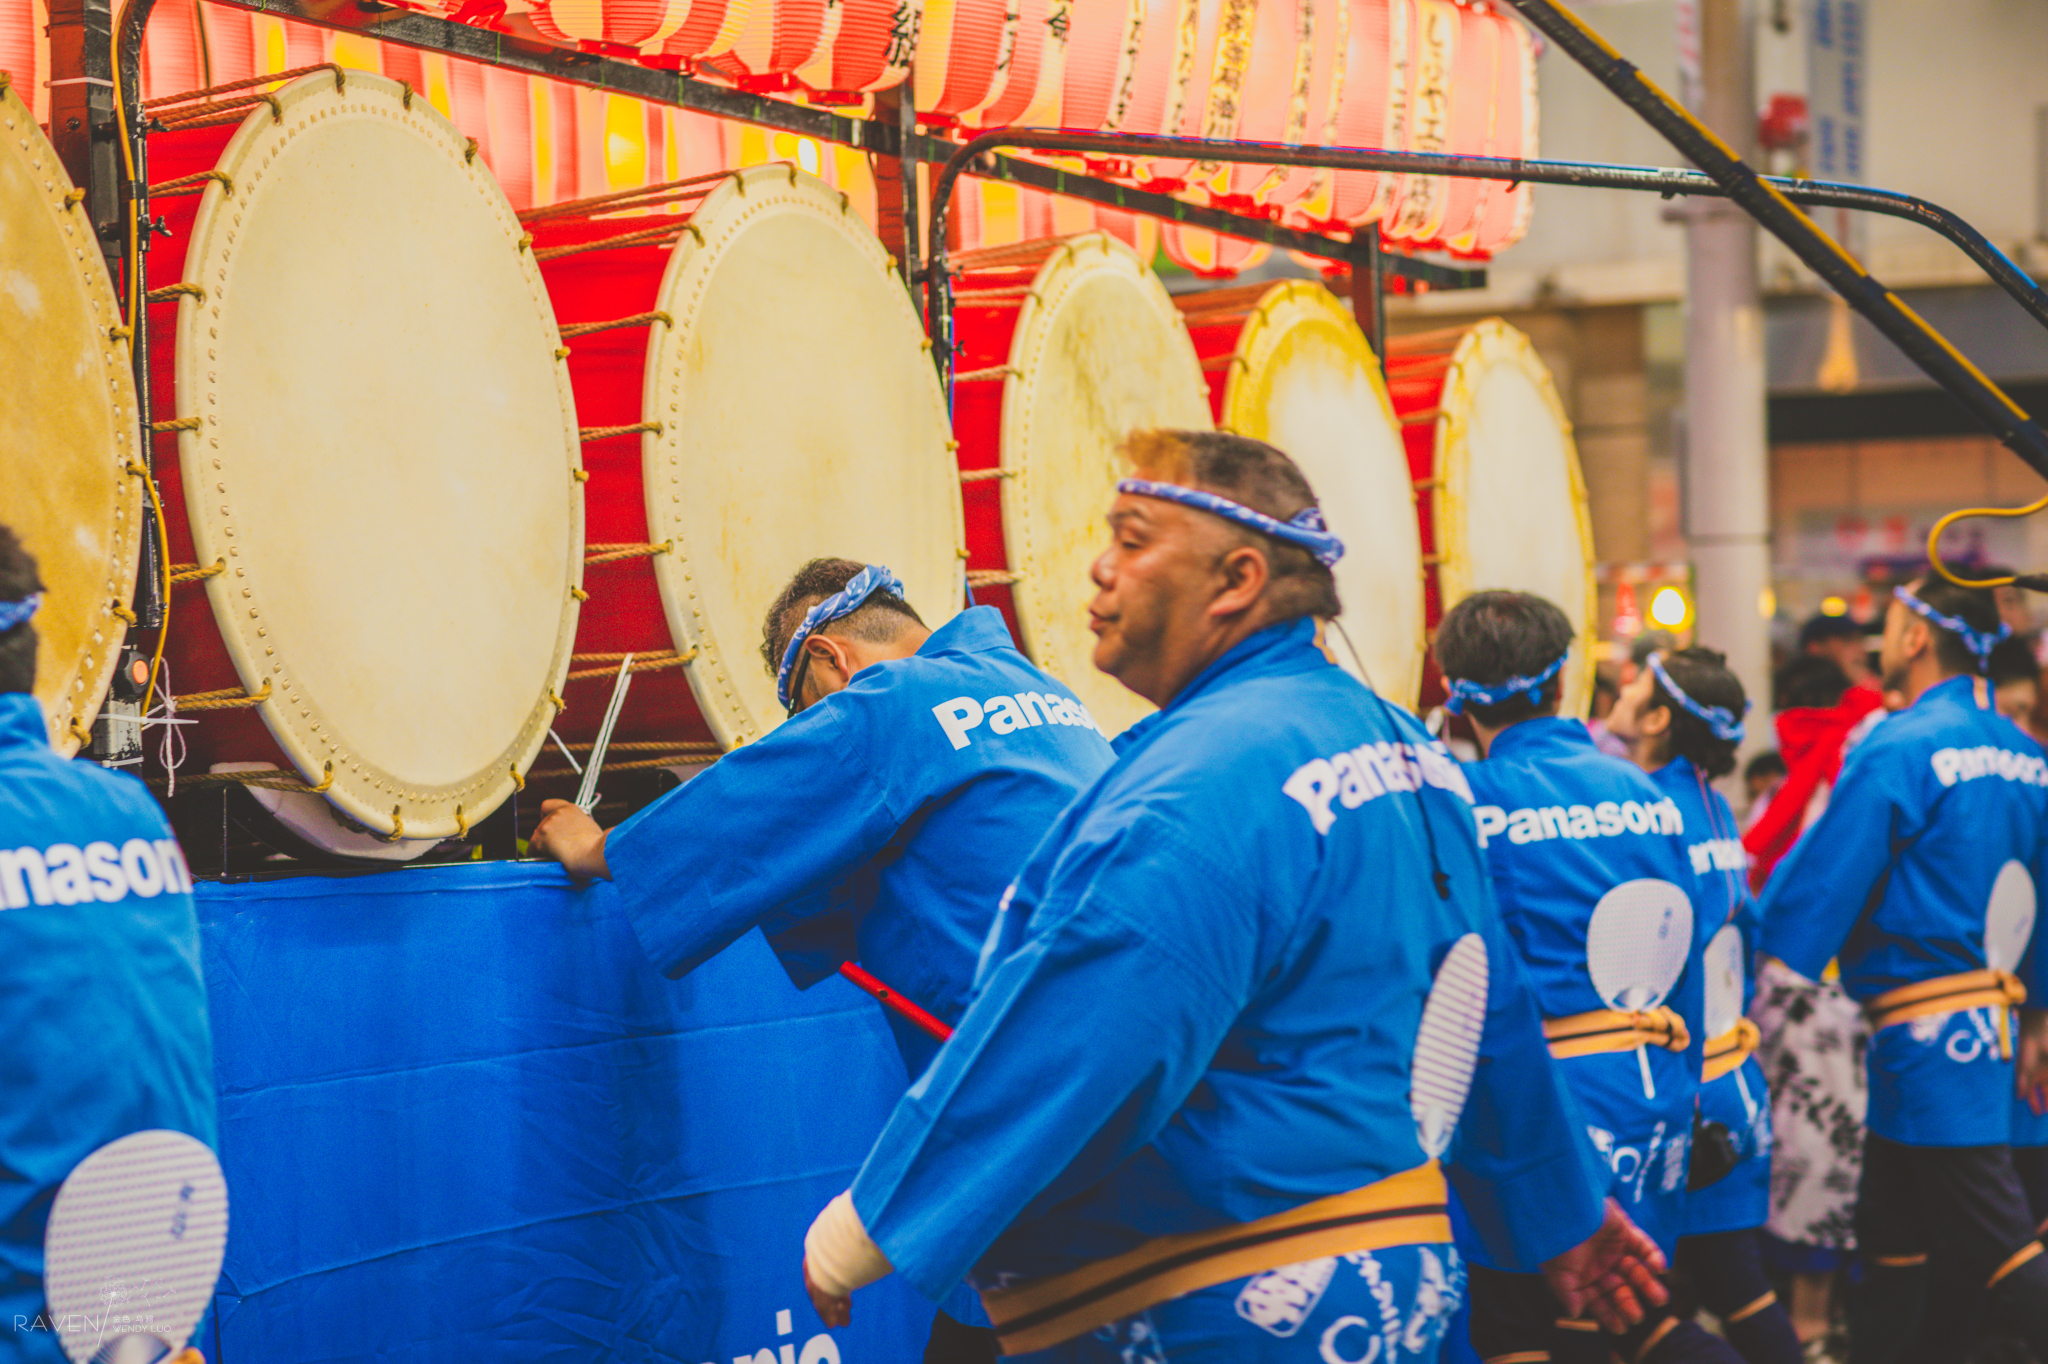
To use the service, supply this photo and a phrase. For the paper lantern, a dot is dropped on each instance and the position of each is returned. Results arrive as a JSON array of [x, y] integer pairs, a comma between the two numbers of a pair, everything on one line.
[[1208, 254], [1135, 230], [173, 59], [779, 38], [1371, 111], [1148, 77], [1415, 216], [1505, 210], [621, 27], [1271, 103], [963, 55], [1103, 40], [1027, 95], [709, 29], [871, 52], [1331, 36]]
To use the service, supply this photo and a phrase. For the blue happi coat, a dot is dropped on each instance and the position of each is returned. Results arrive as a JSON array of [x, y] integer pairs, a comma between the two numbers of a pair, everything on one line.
[[879, 826], [1200, 1002], [1739, 1100], [1565, 827], [102, 1007], [1896, 879]]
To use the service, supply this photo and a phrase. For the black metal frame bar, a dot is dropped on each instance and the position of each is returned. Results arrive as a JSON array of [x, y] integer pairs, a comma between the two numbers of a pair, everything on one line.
[[1769, 200], [1774, 209]]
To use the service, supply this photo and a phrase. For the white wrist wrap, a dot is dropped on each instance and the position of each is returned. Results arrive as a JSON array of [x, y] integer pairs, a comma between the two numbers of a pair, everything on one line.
[[839, 1253]]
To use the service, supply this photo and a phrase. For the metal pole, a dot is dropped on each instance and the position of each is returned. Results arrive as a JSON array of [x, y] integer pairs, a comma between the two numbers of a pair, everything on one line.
[[1726, 458]]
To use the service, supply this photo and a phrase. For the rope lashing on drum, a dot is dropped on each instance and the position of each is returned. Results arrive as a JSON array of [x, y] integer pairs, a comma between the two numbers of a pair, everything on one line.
[[269, 781], [637, 765], [120, 333], [192, 573], [461, 823], [652, 746], [192, 184], [172, 291], [177, 424], [578, 593], [636, 320], [397, 813], [84, 736], [122, 613], [213, 115], [228, 698], [1227, 362], [998, 372], [647, 196], [1020, 291], [984, 475], [555, 700], [642, 663], [73, 198], [613, 553], [1427, 414], [649, 236], [251, 82], [580, 475], [994, 577], [405, 95], [468, 155], [591, 433]]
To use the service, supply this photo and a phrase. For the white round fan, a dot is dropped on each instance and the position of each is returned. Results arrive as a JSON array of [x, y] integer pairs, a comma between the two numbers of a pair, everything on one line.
[[134, 1247], [1447, 1044], [2009, 917], [1724, 982], [1636, 948]]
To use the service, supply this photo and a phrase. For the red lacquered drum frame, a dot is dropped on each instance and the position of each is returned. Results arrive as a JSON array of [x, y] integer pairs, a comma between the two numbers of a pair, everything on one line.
[[1498, 492], [1065, 346], [394, 641], [749, 376]]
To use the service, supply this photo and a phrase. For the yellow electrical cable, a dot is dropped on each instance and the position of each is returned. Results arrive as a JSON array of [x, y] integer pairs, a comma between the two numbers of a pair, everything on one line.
[[163, 539]]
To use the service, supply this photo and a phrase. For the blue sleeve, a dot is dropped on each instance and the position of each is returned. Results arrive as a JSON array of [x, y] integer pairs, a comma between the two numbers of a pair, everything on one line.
[[1820, 889], [2033, 968], [764, 830], [1029, 1104], [1528, 1178]]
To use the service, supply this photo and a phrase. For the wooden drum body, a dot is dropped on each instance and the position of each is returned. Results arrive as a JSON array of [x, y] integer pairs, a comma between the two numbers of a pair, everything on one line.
[[1065, 348], [70, 482], [1287, 364], [368, 456], [1501, 500], [756, 393]]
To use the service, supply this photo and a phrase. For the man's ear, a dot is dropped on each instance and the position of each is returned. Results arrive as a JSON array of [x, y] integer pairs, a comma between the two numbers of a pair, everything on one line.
[[1245, 574], [826, 651], [1916, 640], [1654, 720]]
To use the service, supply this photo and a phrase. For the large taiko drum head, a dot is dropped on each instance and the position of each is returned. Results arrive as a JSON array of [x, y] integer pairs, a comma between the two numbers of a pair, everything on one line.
[[383, 456], [1505, 503], [67, 427], [801, 417], [1096, 351], [1288, 365]]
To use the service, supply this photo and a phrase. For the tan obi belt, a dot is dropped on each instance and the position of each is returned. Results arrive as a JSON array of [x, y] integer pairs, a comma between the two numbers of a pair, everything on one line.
[[1401, 1210], [1605, 1030], [1729, 1050], [1987, 989]]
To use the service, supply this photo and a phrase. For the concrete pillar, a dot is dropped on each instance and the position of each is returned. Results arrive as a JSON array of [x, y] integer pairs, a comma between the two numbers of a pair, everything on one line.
[[1726, 467]]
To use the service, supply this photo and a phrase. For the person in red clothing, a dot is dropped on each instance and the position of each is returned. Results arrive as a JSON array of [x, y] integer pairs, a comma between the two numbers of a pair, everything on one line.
[[1820, 709]]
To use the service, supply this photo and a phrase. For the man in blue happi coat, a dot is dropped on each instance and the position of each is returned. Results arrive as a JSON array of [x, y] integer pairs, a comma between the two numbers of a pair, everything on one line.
[[1923, 879], [1244, 1008], [1682, 718], [1588, 859], [879, 823], [102, 1006]]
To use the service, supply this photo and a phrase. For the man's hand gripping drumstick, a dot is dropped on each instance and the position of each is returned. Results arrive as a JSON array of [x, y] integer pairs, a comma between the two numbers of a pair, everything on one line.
[[570, 836]]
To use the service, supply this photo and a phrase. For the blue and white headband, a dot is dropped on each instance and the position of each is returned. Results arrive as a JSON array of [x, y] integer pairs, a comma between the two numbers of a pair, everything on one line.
[[845, 602], [1465, 692], [1724, 724], [1978, 642], [1305, 528], [13, 613]]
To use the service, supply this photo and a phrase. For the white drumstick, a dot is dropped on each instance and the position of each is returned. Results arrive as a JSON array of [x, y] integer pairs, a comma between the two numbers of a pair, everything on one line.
[[134, 1247], [586, 794], [1636, 947]]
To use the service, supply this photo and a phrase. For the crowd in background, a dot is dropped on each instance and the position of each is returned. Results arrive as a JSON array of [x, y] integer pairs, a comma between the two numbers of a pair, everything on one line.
[[1826, 697]]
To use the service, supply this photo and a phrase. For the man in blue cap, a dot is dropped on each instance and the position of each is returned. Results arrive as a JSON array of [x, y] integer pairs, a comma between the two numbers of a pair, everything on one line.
[[878, 824], [1923, 880], [1218, 1061], [101, 1001], [1588, 858]]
